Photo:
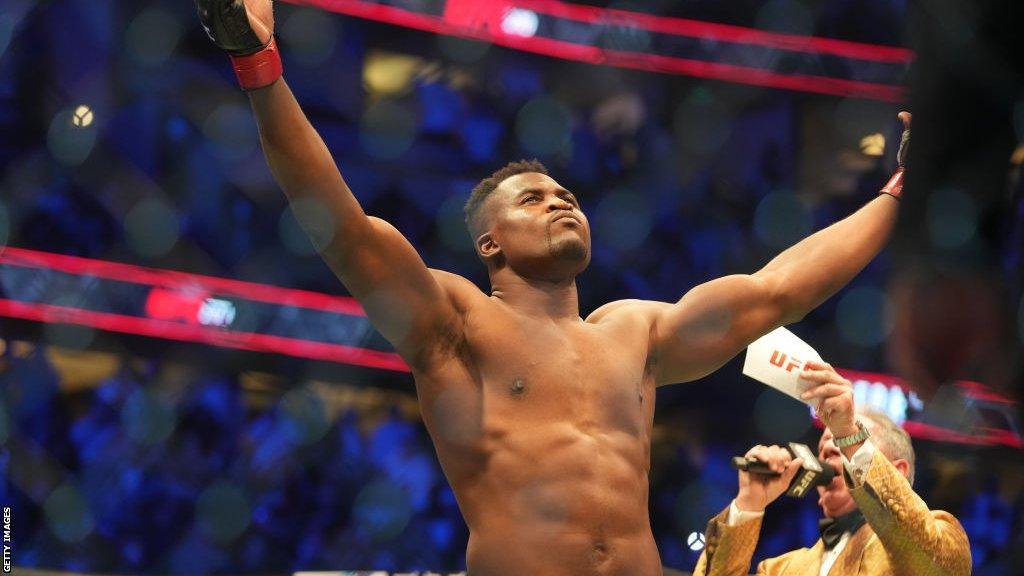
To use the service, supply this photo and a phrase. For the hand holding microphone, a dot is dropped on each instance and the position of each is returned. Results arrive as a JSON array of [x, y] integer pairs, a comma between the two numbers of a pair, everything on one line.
[[757, 491]]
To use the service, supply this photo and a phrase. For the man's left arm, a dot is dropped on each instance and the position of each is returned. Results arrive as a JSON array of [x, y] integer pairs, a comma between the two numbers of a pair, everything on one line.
[[714, 321], [919, 541]]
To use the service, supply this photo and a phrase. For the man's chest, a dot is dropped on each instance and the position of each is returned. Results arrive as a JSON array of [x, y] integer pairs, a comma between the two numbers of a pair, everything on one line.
[[585, 374]]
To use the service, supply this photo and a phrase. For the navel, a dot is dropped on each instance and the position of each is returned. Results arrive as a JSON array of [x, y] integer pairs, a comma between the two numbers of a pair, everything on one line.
[[518, 387]]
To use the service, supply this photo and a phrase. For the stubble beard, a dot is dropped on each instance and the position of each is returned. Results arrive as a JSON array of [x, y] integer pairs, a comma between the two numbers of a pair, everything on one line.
[[566, 250]]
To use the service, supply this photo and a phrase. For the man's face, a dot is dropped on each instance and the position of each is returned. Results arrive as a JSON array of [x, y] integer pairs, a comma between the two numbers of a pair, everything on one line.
[[539, 226], [834, 498]]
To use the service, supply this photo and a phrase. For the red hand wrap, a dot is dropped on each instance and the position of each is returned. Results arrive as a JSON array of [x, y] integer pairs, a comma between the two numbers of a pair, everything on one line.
[[894, 187], [260, 69]]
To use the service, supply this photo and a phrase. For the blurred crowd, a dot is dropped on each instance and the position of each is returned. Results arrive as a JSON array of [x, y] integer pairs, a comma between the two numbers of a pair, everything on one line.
[[154, 471], [129, 141], [160, 467]]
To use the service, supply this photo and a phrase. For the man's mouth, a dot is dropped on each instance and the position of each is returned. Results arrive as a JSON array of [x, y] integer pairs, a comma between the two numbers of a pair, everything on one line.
[[837, 465], [565, 215]]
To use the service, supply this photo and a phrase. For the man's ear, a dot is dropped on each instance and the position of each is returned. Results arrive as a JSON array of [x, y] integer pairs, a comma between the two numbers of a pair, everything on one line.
[[486, 246], [903, 466]]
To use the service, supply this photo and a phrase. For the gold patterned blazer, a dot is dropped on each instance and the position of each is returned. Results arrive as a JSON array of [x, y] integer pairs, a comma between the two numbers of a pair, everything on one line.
[[901, 537]]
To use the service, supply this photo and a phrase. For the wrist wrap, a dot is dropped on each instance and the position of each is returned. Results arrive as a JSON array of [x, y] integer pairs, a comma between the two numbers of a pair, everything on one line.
[[894, 187], [258, 69]]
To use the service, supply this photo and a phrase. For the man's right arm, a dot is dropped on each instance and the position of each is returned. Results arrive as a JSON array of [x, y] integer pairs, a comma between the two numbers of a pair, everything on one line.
[[376, 263], [731, 537], [401, 296]]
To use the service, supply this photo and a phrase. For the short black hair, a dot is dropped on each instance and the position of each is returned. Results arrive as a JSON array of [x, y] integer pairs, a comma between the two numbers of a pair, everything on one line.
[[484, 188]]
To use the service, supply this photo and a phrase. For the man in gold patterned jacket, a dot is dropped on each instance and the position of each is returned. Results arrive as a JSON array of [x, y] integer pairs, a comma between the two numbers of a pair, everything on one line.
[[874, 525]]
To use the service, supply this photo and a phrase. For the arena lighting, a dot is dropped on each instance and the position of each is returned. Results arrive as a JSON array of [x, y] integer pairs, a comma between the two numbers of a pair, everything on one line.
[[993, 416], [520, 22], [695, 48], [115, 297], [82, 116]]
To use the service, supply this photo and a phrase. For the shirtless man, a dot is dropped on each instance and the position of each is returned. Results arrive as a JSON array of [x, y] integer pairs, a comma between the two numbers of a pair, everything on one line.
[[541, 419]]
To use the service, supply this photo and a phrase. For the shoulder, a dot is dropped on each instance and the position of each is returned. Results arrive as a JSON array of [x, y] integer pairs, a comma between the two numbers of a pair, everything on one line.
[[619, 309], [461, 291]]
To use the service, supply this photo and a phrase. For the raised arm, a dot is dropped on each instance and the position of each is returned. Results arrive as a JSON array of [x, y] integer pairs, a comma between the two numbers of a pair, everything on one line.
[[714, 321], [402, 298]]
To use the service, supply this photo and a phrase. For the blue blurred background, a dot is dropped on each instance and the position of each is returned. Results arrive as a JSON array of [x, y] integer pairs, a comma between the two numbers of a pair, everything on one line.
[[123, 137]]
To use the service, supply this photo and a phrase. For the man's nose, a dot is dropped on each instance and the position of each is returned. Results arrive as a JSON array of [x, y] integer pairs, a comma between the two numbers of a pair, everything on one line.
[[556, 203], [828, 449]]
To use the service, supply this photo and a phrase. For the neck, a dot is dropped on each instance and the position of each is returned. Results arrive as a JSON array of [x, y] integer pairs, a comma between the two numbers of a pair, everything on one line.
[[554, 299], [840, 510]]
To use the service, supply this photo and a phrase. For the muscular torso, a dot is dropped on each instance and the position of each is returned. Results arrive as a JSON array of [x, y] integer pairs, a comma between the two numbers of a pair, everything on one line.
[[543, 429]]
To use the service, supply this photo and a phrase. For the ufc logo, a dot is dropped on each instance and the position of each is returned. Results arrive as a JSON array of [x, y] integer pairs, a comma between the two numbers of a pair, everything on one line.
[[779, 359]]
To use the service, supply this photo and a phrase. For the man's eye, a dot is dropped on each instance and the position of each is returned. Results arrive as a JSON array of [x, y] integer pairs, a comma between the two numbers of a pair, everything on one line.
[[530, 198]]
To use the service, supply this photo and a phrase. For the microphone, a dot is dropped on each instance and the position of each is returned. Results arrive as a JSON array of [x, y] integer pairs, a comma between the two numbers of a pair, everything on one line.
[[813, 472]]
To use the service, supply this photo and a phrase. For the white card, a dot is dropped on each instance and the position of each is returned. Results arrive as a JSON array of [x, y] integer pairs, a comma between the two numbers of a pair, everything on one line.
[[777, 358]]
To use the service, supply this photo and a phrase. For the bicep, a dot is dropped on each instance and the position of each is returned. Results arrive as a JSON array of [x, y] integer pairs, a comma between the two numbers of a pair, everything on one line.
[[402, 298], [711, 323]]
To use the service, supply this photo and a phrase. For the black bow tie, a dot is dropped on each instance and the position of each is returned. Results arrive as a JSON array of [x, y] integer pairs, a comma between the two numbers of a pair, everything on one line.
[[832, 529]]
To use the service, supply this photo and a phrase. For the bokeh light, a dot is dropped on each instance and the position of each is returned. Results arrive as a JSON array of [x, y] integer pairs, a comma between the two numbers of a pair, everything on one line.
[[873, 145], [520, 22], [152, 36], [232, 131], [305, 416], [462, 50], [151, 228], [779, 418], [952, 218], [451, 225], [855, 117], [310, 36], [390, 73], [82, 117], [70, 144], [381, 509], [387, 129], [864, 316], [544, 126], [623, 220], [695, 541], [701, 125], [789, 16], [781, 219], [147, 418], [223, 512], [68, 514], [315, 232]]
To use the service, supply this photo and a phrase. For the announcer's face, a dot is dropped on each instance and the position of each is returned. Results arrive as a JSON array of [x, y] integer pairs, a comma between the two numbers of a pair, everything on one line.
[[834, 498]]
